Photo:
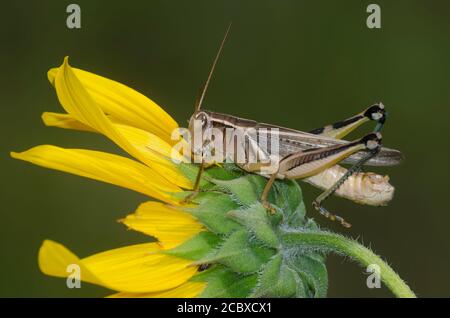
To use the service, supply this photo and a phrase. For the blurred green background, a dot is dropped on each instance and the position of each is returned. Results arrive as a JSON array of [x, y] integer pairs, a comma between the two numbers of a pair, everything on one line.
[[295, 63]]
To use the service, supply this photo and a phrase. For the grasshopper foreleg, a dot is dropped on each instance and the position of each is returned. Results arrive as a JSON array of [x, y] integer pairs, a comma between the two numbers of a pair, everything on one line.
[[196, 188]]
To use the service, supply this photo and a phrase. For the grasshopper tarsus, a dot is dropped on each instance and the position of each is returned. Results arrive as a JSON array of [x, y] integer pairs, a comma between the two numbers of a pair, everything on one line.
[[269, 207], [196, 189], [345, 224], [190, 197], [330, 216]]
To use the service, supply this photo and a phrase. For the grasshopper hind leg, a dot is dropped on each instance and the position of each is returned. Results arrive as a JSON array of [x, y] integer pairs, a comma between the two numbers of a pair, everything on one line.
[[340, 129], [328, 215], [317, 203], [264, 197], [307, 162]]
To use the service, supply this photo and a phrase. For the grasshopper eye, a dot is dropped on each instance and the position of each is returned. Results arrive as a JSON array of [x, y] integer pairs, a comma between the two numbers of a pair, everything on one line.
[[202, 118]]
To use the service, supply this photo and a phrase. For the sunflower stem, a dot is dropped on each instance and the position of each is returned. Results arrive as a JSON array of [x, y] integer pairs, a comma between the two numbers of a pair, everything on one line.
[[339, 244]]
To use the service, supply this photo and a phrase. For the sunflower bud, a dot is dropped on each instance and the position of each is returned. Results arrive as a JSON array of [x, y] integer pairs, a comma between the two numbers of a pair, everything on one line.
[[242, 246]]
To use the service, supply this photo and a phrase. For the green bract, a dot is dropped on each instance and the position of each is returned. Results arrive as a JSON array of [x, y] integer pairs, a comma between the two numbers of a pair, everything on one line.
[[249, 252], [243, 245]]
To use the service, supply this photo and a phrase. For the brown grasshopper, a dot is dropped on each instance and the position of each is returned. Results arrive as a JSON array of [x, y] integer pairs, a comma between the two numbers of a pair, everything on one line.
[[312, 156]]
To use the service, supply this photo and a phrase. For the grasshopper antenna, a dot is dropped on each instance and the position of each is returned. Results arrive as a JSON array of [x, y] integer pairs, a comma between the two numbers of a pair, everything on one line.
[[198, 105], [199, 101]]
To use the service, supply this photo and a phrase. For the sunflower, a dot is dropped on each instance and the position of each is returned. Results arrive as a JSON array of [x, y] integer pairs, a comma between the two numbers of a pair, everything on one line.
[[141, 128], [223, 244]]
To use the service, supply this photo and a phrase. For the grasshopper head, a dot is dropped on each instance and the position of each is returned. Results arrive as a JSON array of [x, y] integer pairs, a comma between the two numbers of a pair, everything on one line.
[[200, 125], [200, 121]]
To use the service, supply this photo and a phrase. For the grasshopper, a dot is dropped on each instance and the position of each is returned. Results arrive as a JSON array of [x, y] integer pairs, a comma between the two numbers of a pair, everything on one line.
[[311, 156]]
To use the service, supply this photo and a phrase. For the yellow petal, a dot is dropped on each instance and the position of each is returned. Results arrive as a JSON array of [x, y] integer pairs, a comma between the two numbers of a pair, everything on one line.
[[64, 121], [132, 269], [80, 105], [170, 226], [187, 290], [104, 167], [155, 150], [54, 259], [125, 104], [146, 143]]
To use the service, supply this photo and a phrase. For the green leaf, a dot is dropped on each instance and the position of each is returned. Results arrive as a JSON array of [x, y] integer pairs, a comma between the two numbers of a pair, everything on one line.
[[239, 253], [313, 271], [278, 280], [226, 172], [197, 247], [211, 212], [190, 171], [224, 283], [255, 218], [287, 195], [246, 190]]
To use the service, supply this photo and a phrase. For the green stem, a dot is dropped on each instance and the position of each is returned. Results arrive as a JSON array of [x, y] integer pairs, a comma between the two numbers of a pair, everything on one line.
[[351, 248]]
